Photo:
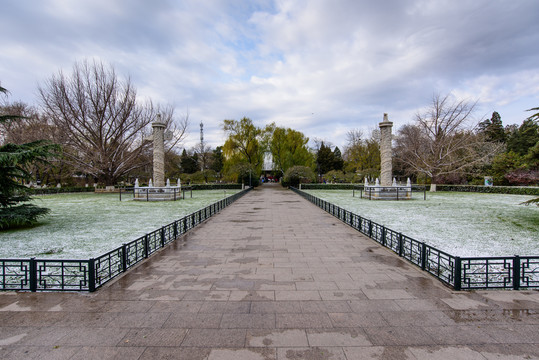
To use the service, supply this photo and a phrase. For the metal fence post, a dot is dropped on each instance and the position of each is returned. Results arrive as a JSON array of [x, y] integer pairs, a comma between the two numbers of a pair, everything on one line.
[[33, 274], [175, 229], [124, 257], [370, 229], [91, 275], [400, 245], [163, 237], [458, 273], [516, 272], [146, 246], [383, 240], [423, 256]]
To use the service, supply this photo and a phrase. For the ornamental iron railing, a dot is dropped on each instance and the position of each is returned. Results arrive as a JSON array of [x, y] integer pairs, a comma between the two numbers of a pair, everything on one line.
[[461, 273], [88, 275]]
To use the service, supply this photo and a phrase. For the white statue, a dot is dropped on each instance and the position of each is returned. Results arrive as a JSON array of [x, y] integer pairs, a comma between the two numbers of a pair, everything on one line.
[[150, 184], [136, 183], [168, 182]]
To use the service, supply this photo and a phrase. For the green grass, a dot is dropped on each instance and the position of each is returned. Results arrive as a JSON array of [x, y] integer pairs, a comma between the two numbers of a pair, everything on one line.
[[84, 225], [463, 224]]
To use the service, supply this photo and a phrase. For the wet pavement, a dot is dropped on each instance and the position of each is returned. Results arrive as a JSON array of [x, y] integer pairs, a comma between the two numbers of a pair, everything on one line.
[[272, 277]]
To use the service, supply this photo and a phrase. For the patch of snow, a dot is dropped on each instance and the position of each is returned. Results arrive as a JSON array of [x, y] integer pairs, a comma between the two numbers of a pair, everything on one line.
[[461, 224], [85, 225]]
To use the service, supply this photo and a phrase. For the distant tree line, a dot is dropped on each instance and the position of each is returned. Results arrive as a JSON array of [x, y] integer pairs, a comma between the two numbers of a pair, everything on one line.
[[443, 144], [90, 127]]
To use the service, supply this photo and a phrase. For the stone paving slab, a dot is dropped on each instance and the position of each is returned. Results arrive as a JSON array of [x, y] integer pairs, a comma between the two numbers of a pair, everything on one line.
[[272, 277]]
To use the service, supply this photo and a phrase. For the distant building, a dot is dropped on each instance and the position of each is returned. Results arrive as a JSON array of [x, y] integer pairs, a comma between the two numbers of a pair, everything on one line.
[[268, 165]]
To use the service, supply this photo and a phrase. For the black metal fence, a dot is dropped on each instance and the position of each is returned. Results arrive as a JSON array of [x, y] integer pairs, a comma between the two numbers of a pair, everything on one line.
[[462, 273], [88, 275]]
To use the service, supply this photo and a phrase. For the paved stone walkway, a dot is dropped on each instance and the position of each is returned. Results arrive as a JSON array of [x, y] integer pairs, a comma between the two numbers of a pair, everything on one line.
[[272, 277]]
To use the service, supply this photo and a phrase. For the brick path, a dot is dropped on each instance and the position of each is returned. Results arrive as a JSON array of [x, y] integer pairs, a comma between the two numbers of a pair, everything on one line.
[[272, 277]]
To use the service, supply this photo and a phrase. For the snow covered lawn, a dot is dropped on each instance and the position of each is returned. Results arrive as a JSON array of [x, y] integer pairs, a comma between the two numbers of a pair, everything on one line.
[[462, 224], [85, 225]]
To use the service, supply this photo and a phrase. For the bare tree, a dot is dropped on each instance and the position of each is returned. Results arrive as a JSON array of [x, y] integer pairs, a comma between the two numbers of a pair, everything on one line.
[[176, 127], [443, 140], [354, 137], [105, 128]]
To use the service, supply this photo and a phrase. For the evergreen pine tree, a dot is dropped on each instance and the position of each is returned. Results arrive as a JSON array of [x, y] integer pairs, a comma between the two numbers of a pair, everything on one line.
[[324, 159], [13, 172], [338, 162]]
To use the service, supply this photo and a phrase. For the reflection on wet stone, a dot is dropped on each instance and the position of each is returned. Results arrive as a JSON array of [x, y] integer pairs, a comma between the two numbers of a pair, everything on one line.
[[272, 277]]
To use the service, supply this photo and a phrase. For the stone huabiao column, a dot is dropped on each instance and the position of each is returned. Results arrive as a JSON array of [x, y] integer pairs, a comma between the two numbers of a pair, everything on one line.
[[386, 168], [158, 152]]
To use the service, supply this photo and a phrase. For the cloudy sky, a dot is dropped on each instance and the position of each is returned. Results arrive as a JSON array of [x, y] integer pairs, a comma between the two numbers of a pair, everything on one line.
[[323, 67]]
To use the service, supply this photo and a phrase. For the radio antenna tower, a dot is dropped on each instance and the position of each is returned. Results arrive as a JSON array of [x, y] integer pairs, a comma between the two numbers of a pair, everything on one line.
[[202, 161]]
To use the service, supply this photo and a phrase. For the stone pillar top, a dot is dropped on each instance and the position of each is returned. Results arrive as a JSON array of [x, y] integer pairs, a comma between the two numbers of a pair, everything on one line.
[[385, 122], [158, 122]]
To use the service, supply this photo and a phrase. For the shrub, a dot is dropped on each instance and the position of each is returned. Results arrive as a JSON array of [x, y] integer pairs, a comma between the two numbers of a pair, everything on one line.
[[335, 176], [298, 174], [330, 186], [21, 215], [216, 186], [55, 190], [514, 190]]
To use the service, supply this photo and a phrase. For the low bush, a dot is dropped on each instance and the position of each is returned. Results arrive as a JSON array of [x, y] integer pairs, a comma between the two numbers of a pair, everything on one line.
[[56, 190], [514, 190], [216, 186], [296, 175], [20, 216], [329, 186]]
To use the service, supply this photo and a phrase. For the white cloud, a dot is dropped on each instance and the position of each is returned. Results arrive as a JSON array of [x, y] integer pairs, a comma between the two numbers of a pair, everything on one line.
[[321, 67]]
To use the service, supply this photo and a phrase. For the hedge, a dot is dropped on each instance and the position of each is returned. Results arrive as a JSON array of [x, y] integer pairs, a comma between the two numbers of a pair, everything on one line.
[[329, 186], [514, 190], [215, 186], [56, 190]]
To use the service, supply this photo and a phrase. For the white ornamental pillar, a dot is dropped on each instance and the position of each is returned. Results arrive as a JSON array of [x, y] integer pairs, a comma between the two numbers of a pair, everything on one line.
[[158, 152], [386, 167]]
